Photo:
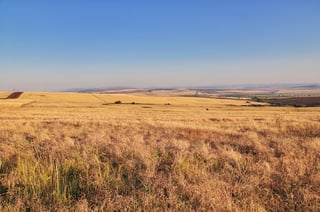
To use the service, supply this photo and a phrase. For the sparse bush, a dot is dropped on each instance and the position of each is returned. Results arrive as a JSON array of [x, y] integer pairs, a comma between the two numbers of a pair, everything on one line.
[[118, 102], [257, 99]]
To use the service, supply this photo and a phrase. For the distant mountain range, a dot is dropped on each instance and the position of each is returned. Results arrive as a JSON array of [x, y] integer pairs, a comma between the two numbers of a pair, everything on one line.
[[302, 86], [314, 86]]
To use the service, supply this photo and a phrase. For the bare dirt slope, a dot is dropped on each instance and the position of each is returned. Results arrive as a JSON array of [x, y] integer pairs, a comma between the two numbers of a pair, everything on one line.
[[15, 95]]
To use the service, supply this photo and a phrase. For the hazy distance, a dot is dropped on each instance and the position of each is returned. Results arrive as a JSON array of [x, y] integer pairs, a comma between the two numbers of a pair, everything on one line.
[[59, 44]]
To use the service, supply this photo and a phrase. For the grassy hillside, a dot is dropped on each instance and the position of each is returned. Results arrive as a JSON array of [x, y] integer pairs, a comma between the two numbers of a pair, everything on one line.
[[68, 151]]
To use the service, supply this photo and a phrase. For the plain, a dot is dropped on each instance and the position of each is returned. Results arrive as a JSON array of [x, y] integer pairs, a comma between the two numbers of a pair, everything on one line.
[[72, 151]]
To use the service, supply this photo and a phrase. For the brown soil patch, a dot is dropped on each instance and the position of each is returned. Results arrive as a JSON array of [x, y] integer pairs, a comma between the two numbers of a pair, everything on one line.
[[297, 101], [15, 95]]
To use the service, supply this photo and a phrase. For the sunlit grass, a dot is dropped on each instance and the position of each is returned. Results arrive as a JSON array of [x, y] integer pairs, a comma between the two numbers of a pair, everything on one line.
[[75, 152]]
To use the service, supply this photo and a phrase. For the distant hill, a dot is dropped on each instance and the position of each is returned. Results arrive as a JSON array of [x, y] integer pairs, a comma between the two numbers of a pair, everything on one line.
[[308, 87], [274, 87]]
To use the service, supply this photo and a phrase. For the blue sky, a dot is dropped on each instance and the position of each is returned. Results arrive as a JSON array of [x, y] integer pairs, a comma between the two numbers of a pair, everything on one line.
[[54, 45]]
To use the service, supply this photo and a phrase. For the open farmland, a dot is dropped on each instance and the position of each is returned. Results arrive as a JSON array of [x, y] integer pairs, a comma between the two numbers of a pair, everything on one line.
[[71, 151], [296, 101]]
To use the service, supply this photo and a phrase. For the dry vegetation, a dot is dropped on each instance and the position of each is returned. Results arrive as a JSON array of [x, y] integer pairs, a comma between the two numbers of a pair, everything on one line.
[[80, 151]]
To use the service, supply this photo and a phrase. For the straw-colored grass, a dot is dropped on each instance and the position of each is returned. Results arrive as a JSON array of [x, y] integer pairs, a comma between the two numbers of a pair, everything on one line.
[[82, 152]]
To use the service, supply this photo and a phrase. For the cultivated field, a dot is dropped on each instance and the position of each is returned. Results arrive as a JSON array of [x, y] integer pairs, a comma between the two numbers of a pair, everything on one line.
[[69, 151]]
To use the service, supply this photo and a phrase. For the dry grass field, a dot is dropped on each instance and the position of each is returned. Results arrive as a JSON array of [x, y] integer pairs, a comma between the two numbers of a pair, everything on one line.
[[78, 152]]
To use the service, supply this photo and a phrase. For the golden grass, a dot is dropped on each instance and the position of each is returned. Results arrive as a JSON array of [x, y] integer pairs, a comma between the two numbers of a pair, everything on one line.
[[81, 152]]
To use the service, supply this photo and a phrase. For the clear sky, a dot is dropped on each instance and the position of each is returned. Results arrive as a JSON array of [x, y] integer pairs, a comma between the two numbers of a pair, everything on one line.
[[59, 44]]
